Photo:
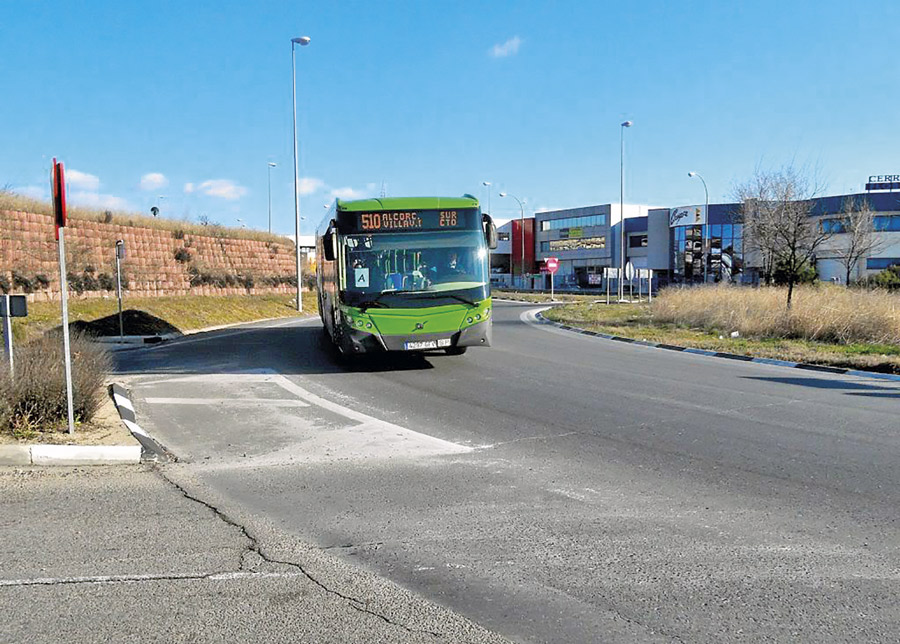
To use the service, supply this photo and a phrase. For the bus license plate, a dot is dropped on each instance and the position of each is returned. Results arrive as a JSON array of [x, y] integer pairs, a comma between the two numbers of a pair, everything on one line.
[[427, 344]]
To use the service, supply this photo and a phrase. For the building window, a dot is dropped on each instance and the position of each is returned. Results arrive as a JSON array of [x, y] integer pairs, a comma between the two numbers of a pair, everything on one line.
[[573, 222], [887, 223], [880, 263], [637, 241], [591, 243], [833, 226]]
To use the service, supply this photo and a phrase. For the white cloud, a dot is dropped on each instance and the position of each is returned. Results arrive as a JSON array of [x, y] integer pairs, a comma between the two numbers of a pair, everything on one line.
[[188, 188], [35, 192], [153, 181], [310, 185], [97, 200], [509, 48], [222, 188], [346, 193], [76, 180]]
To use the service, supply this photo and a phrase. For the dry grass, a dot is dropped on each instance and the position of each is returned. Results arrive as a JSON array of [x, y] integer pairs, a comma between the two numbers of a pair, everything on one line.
[[819, 313], [12, 201], [639, 321], [35, 401]]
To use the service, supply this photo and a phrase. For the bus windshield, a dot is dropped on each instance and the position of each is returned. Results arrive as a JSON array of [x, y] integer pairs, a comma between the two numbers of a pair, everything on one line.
[[415, 269]]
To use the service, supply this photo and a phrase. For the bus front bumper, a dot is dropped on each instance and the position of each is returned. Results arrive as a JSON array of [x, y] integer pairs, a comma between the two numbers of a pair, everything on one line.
[[477, 335]]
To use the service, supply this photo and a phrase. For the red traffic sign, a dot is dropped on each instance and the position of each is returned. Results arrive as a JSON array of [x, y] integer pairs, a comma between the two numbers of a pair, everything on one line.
[[58, 189], [551, 264]]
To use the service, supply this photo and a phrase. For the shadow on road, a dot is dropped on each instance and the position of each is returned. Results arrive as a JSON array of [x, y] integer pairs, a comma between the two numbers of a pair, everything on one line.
[[301, 349], [849, 387]]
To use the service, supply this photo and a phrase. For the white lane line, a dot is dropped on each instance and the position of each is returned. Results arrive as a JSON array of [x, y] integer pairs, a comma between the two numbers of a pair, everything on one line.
[[381, 431], [214, 335], [272, 402], [119, 579]]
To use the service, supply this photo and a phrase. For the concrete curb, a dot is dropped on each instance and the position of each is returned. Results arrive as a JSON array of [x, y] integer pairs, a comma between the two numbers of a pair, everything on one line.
[[720, 354], [151, 449], [25, 455], [137, 341]]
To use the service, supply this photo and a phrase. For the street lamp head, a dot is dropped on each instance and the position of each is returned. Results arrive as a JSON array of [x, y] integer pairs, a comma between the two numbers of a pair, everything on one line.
[[627, 124], [271, 165], [692, 174], [302, 40], [502, 194], [486, 183]]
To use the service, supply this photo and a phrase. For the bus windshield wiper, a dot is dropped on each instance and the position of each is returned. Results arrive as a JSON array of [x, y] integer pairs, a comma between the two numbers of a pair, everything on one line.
[[375, 302], [433, 295]]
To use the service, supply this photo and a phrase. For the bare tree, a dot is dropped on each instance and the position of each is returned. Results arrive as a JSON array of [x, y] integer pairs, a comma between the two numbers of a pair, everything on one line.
[[776, 210], [857, 223]]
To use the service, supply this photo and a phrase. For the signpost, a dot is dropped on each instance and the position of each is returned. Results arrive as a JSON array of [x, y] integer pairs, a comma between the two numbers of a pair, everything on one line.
[[609, 274], [629, 275], [552, 265], [58, 189], [11, 306], [120, 255]]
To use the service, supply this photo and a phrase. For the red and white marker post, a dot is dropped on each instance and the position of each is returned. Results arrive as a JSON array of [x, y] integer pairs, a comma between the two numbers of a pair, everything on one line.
[[552, 265], [58, 188]]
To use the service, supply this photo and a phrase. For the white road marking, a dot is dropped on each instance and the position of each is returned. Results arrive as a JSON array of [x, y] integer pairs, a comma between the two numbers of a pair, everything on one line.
[[113, 579], [274, 402], [366, 437], [213, 335]]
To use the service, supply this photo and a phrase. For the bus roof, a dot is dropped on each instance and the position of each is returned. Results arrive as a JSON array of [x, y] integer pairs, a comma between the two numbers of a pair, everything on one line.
[[406, 203]]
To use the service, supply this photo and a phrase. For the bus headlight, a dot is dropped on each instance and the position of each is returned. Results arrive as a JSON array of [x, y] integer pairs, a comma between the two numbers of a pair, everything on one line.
[[478, 316], [469, 320], [368, 325], [359, 323]]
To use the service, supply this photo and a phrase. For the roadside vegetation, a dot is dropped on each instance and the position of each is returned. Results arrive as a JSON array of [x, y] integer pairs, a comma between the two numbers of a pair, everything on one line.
[[34, 402], [151, 315], [825, 325]]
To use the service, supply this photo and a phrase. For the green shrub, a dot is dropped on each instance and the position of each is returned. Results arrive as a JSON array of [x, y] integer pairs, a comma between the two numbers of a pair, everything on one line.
[[36, 399], [183, 255], [889, 278]]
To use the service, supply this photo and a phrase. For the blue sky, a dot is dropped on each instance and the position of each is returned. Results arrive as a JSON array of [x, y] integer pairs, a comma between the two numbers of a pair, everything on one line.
[[191, 100]]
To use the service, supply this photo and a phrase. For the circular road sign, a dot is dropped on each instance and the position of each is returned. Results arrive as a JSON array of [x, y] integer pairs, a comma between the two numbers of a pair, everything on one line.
[[552, 264]]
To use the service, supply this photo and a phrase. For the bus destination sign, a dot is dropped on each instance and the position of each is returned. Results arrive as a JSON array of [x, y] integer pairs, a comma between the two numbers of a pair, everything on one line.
[[372, 222]]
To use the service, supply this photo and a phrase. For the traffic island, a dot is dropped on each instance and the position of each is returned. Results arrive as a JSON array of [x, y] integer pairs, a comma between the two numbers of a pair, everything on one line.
[[106, 440]]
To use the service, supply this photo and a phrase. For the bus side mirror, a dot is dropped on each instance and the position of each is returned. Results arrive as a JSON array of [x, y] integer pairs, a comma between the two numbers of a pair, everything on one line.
[[490, 231], [328, 245]]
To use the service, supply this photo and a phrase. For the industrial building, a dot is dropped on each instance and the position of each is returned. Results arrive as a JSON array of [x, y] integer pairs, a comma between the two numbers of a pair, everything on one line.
[[682, 245]]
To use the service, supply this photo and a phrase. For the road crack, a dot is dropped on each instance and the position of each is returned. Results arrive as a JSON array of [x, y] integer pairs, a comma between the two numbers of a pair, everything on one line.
[[254, 548]]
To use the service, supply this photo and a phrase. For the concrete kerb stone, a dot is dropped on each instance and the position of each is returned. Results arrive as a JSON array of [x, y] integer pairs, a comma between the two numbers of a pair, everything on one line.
[[138, 341], [729, 356], [75, 455]]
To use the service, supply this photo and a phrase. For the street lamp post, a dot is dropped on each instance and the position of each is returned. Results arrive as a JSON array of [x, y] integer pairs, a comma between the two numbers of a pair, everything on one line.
[[269, 172], [487, 184], [706, 249], [622, 210], [302, 41], [521, 232]]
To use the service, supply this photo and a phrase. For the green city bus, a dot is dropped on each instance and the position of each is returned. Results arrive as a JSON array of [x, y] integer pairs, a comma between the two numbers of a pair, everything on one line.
[[405, 274]]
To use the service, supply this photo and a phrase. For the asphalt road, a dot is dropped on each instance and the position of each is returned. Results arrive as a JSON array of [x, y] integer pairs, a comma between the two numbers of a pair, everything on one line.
[[556, 487]]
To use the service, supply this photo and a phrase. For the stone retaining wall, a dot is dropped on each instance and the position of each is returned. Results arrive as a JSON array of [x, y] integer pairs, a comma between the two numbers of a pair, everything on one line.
[[205, 265]]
